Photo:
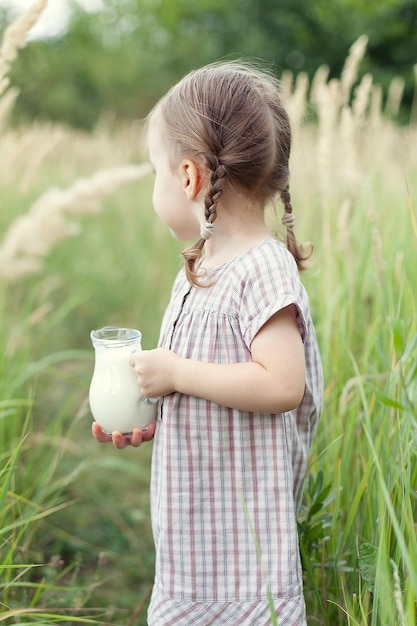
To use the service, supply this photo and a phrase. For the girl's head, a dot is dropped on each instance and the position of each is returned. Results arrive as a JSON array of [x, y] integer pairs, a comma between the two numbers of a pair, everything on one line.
[[230, 120]]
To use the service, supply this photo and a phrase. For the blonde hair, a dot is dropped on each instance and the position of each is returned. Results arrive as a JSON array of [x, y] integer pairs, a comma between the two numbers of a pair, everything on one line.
[[229, 117]]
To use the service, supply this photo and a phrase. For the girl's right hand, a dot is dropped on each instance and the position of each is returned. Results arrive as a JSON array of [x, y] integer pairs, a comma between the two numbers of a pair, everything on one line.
[[137, 437]]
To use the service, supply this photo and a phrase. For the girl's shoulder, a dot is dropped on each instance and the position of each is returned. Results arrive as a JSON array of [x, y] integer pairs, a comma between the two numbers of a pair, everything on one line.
[[270, 249], [268, 261], [265, 280]]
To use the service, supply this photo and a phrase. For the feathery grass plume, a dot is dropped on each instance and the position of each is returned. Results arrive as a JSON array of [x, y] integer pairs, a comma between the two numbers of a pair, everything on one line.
[[413, 114], [394, 96], [398, 594], [26, 148], [296, 102], [319, 81], [328, 109], [32, 236], [347, 152], [345, 244], [361, 100], [286, 84], [53, 136], [350, 69], [15, 38], [7, 101], [375, 107]]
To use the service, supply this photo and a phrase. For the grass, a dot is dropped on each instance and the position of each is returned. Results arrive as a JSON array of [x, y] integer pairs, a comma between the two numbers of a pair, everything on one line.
[[75, 542], [64, 545], [75, 537]]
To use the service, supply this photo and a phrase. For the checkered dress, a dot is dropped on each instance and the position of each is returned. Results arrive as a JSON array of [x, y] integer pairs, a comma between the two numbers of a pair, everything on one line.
[[225, 483]]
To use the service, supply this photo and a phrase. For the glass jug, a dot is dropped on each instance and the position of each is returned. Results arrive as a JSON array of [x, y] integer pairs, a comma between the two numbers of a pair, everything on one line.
[[115, 399]]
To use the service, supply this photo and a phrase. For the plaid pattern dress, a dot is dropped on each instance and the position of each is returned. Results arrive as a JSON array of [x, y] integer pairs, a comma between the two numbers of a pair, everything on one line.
[[225, 484]]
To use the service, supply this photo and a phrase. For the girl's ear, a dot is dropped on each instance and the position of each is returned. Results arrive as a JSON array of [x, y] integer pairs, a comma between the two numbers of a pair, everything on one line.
[[192, 178]]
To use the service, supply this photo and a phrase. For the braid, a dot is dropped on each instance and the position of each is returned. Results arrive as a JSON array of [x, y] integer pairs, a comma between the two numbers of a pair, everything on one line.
[[288, 219], [214, 191]]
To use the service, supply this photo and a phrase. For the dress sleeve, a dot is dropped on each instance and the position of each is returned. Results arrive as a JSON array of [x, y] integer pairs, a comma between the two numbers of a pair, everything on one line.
[[268, 283]]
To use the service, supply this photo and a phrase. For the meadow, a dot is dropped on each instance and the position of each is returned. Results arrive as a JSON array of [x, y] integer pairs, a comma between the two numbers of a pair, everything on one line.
[[82, 248]]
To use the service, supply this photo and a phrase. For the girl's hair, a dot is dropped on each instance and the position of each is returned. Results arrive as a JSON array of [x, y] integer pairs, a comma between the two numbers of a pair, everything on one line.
[[229, 117]]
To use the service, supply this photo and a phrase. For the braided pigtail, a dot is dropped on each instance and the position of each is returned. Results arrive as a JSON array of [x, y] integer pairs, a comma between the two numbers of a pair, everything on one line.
[[288, 220], [214, 191]]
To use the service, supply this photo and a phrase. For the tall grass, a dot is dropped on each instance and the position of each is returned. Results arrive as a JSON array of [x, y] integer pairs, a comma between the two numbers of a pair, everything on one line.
[[75, 540]]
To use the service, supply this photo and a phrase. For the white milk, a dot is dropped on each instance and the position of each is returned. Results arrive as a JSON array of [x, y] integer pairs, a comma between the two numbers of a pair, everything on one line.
[[115, 400]]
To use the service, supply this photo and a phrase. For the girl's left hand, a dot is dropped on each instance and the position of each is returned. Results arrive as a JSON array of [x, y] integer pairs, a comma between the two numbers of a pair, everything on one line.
[[155, 371]]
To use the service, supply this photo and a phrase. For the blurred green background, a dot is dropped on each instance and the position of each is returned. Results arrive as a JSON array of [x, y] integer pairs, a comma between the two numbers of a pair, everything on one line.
[[120, 55]]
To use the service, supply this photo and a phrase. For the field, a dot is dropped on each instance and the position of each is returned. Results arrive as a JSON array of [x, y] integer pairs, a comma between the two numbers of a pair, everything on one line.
[[82, 248]]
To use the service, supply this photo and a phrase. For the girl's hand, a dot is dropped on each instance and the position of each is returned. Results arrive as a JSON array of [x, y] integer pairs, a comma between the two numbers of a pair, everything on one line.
[[155, 371], [137, 437]]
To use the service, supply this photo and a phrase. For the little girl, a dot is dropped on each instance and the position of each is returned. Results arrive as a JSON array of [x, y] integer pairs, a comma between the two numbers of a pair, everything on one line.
[[237, 371]]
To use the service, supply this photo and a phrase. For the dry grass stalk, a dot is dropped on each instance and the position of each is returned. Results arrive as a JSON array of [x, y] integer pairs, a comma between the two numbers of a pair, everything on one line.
[[375, 107], [345, 244], [31, 237], [286, 84], [38, 157], [328, 110], [319, 81], [296, 103], [25, 150], [342, 119], [361, 100], [15, 38], [413, 115], [347, 155], [7, 101], [350, 69], [398, 595], [395, 95]]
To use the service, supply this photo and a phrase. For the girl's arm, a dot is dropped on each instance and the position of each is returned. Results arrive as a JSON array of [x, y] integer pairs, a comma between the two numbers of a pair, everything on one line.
[[273, 382]]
